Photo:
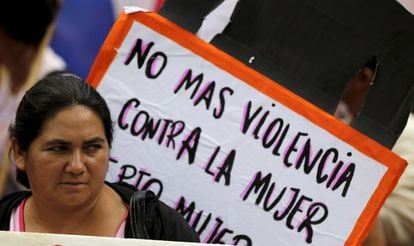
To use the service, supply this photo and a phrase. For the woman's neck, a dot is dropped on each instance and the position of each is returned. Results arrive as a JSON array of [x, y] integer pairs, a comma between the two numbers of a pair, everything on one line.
[[86, 220]]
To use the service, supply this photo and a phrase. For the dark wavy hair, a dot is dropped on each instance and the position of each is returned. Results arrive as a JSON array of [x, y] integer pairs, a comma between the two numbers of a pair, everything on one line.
[[28, 21], [48, 97]]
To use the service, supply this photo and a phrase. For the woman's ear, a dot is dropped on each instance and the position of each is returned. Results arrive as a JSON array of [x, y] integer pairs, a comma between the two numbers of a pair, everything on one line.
[[19, 155]]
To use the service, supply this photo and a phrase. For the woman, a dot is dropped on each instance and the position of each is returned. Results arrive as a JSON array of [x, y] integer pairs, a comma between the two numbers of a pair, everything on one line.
[[60, 141]]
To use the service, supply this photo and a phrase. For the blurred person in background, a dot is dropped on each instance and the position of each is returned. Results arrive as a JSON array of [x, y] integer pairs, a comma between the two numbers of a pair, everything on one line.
[[395, 222], [25, 31]]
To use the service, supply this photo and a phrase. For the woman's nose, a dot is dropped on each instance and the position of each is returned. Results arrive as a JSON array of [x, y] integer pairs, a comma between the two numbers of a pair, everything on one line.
[[76, 164]]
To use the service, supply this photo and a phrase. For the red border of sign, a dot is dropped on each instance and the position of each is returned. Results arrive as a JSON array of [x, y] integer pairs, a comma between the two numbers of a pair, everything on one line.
[[369, 147]]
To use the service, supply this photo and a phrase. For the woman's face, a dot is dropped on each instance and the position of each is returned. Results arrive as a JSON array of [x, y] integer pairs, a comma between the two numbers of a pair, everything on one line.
[[67, 163]]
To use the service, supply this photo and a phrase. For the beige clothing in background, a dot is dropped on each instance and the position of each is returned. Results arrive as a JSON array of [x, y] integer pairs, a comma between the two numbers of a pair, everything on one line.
[[397, 214]]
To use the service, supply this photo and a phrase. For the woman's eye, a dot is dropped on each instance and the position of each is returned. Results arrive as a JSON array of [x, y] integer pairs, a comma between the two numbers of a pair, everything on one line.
[[93, 147], [57, 148]]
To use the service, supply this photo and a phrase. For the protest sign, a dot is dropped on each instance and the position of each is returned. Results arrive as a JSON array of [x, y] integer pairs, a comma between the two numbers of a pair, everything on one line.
[[246, 161], [49, 239]]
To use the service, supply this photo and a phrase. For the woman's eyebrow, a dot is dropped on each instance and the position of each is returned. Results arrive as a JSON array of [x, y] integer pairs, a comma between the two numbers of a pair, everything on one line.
[[95, 140], [57, 141]]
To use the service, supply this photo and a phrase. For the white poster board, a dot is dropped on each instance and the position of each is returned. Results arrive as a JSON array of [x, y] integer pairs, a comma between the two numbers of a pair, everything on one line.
[[246, 161], [49, 239]]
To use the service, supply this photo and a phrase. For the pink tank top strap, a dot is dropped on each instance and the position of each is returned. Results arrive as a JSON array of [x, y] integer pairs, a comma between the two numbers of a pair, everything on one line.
[[17, 218]]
